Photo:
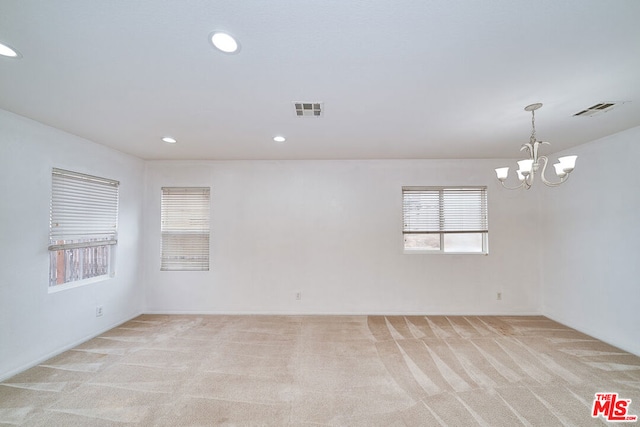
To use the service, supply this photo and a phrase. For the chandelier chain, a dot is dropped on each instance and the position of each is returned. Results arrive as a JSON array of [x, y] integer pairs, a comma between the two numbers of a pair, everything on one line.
[[532, 139]]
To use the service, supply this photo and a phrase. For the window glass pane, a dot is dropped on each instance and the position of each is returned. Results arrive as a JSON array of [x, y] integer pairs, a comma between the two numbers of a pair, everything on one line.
[[463, 242], [71, 265], [422, 242], [185, 229], [445, 219], [83, 226]]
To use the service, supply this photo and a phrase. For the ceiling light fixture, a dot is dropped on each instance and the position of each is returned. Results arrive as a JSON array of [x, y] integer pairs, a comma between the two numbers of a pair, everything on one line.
[[279, 138], [224, 42], [8, 51], [169, 139], [528, 167]]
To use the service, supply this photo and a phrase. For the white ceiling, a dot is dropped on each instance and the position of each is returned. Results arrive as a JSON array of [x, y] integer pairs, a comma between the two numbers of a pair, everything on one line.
[[399, 79]]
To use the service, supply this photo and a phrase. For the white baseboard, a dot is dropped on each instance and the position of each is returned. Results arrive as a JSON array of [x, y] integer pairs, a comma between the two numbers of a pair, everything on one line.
[[324, 313]]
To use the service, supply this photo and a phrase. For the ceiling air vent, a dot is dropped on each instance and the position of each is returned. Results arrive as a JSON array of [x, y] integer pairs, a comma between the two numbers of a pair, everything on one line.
[[595, 109], [309, 109]]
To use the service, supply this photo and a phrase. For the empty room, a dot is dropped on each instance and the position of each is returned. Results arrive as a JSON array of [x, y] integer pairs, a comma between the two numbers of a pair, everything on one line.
[[319, 213]]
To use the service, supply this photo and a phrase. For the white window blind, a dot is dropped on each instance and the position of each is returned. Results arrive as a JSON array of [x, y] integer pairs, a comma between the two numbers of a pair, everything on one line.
[[185, 229], [83, 227], [444, 210], [83, 207]]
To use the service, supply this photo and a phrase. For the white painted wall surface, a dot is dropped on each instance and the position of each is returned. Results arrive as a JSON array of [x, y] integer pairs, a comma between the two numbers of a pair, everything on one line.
[[590, 243], [329, 229], [34, 323], [332, 230]]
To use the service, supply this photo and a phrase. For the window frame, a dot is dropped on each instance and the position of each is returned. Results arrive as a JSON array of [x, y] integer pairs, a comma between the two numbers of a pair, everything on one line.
[[83, 229], [442, 246], [199, 225]]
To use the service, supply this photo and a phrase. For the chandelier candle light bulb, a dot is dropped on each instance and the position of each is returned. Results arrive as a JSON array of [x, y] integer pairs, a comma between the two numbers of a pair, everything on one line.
[[529, 167], [568, 163], [559, 171], [525, 166], [502, 173]]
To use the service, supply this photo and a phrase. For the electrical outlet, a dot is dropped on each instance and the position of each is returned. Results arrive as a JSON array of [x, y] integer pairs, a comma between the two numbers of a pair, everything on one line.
[[99, 311], [298, 296], [499, 296]]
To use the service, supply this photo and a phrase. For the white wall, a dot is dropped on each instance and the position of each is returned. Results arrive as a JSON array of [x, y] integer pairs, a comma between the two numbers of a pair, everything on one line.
[[590, 243], [329, 229], [332, 230], [34, 323]]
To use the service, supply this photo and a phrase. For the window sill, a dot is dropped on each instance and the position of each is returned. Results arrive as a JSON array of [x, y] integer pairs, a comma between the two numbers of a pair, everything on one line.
[[78, 283], [423, 252]]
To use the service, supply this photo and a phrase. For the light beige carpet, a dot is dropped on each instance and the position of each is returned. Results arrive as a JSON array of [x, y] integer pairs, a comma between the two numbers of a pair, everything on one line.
[[325, 370]]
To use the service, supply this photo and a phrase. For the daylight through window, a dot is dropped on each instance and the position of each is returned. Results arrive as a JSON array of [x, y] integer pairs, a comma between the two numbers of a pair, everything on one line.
[[445, 219], [185, 229], [83, 226]]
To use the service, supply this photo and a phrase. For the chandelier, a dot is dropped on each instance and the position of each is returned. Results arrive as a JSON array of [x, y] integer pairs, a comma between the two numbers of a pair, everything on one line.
[[528, 168]]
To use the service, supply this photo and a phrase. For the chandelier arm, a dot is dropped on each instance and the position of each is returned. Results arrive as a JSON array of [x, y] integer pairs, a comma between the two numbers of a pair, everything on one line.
[[542, 177], [522, 184]]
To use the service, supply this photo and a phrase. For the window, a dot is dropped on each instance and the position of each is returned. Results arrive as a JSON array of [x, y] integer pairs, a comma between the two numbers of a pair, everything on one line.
[[83, 227], [185, 229], [445, 219]]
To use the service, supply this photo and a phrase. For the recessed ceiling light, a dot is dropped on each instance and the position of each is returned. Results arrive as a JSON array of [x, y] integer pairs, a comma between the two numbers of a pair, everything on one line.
[[279, 138], [224, 42], [9, 51], [169, 139]]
